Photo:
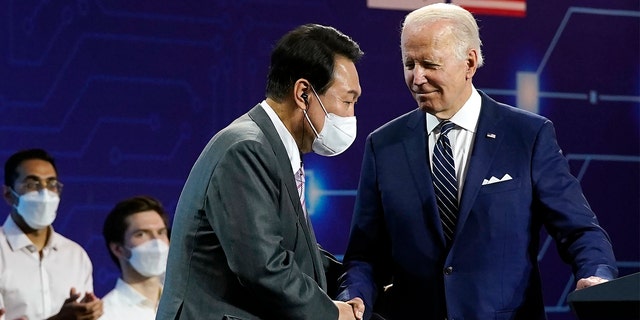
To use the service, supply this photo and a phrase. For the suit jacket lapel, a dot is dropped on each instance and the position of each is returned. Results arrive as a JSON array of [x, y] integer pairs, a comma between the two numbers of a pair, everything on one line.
[[416, 151], [488, 138], [264, 122]]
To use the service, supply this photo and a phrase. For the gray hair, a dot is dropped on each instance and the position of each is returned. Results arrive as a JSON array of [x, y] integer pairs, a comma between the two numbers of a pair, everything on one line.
[[463, 26]]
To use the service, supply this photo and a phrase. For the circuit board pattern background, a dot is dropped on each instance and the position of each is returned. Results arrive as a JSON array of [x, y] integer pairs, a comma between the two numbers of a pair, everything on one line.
[[126, 93]]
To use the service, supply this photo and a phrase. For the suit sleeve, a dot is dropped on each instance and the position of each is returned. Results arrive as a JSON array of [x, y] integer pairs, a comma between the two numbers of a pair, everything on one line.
[[566, 213], [246, 191], [368, 253]]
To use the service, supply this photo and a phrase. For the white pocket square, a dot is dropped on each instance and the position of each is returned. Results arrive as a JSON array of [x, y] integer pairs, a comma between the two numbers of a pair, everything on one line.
[[493, 179]]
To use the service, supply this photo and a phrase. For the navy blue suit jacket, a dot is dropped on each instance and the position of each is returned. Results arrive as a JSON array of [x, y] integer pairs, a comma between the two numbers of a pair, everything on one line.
[[490, 270]]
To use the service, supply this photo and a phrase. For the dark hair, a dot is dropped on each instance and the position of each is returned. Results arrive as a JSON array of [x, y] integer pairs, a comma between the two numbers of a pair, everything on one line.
[[115, 224], [14, 161], [308, 52]]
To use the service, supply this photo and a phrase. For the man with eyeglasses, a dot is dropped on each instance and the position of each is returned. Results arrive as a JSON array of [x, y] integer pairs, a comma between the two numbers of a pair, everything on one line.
[[43, 275]]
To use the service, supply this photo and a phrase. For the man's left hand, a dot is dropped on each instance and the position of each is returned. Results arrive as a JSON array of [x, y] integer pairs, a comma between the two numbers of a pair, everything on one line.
[[588, 282]]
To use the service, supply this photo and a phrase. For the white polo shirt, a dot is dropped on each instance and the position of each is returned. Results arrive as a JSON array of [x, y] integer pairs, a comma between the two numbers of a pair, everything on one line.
[[36, 288]]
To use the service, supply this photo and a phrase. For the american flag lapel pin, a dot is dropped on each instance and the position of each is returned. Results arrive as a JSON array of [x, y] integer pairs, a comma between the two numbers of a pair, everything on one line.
[[491, 135]]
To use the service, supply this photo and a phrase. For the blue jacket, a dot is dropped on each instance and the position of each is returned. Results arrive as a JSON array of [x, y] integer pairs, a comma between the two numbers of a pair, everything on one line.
[[490, 271]]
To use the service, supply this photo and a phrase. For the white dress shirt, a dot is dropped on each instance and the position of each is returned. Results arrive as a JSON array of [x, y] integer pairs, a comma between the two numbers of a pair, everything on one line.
[[124, 302], [461, 137], [36, 287]]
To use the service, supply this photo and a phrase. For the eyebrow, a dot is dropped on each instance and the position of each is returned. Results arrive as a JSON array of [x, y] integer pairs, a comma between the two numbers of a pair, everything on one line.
[[36, 178], [149, 229]]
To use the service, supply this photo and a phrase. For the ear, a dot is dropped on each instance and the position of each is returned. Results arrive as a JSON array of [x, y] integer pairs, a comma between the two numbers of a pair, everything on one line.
[[472, 63], [301, 89], [118, 250], [8, 195]]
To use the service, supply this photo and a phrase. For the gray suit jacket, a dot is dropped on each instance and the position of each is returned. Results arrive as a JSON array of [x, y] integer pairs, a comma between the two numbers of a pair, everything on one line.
[[240, 246]]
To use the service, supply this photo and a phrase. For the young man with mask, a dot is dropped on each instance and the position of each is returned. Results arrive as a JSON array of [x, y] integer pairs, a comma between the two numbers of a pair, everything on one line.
[[242, 246], [137, 238], [43, 275]]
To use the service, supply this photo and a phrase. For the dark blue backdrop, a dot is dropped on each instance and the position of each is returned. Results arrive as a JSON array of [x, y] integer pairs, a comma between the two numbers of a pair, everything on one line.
[[126, 93]]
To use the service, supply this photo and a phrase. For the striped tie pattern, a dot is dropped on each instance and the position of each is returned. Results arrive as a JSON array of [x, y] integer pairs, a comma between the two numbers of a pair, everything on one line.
[[445, 183], [299, 176]]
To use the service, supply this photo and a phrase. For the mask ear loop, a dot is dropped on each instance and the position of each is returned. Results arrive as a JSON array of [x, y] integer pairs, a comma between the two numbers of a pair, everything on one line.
[[16, 196], [304, 111], [321, 104], [307, 115]]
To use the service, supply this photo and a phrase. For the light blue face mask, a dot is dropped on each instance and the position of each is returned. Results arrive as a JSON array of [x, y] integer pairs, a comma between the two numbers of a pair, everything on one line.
[[337, 134], [38, 208]]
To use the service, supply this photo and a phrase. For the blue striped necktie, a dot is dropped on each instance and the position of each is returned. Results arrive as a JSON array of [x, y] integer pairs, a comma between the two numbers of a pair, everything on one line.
[[445, 183]]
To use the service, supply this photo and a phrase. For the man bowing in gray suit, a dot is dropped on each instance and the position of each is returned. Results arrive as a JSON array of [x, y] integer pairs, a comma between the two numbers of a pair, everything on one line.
[[241, 244]]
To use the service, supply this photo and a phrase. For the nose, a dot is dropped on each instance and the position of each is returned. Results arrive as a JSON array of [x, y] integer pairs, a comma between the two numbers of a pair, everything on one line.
[[419, 75], [351, 112]]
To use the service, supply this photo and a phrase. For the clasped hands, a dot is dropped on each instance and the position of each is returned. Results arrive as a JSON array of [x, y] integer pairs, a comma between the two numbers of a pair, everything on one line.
[[88, 308], [352, 309]]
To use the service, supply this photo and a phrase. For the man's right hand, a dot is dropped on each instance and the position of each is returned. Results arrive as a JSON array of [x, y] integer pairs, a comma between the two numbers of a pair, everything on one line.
[[358, 307], [345, 311], [89, 308]]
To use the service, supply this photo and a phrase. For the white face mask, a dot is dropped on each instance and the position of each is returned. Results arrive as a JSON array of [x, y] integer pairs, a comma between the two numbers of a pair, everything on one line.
[[38, 208], [338, 133], [150, 258]]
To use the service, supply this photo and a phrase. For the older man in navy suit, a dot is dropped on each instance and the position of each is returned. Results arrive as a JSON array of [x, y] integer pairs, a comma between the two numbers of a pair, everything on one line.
[[452, 196]]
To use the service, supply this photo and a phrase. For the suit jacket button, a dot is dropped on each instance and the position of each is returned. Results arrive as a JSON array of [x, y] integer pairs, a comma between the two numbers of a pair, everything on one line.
[[448, 270]]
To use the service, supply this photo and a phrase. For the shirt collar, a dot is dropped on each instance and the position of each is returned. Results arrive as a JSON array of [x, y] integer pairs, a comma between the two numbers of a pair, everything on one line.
[[466, 117], [286, 137], [18, 239], [131, 295]]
